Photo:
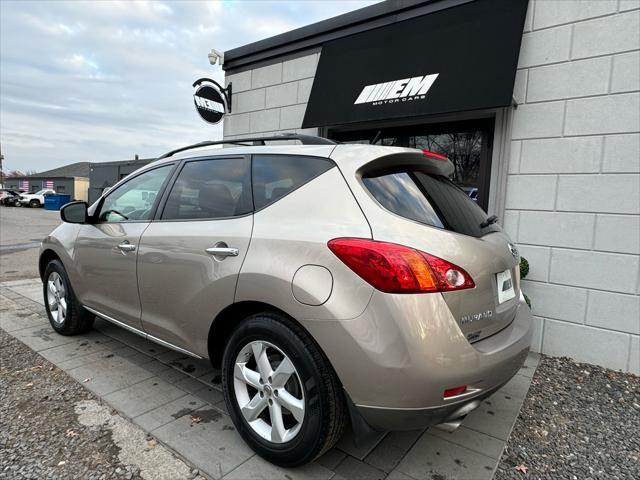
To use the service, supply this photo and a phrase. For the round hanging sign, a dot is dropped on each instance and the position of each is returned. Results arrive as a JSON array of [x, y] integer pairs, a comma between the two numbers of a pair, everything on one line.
[[210, 101]]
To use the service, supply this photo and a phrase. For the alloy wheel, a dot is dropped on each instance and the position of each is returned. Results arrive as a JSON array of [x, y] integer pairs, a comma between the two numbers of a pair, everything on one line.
[[268, 391], [56, 298]]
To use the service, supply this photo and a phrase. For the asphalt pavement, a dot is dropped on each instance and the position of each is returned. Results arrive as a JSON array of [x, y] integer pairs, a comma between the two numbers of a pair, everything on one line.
[[21, 231]]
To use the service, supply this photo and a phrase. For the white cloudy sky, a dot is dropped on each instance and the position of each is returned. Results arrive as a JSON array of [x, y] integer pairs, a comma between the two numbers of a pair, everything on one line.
[[99, 81]]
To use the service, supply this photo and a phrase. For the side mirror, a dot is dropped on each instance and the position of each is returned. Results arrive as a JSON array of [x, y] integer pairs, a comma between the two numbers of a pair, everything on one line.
[[74, 212]]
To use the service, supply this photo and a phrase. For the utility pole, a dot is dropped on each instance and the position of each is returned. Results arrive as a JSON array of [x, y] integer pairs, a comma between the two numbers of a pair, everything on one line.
[[1, 170]]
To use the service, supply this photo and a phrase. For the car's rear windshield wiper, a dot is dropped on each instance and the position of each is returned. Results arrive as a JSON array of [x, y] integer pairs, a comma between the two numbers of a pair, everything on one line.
[[489, 221]]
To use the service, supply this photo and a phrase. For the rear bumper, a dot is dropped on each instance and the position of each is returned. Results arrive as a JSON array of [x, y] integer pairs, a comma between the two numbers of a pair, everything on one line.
[[386, 419], [398, 357]]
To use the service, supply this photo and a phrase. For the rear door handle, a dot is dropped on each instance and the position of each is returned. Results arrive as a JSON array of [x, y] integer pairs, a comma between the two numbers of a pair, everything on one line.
[[223, 251], [126, 247]]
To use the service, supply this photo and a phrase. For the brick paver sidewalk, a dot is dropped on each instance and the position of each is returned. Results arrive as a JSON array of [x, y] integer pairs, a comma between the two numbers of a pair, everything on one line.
[[179, 401]]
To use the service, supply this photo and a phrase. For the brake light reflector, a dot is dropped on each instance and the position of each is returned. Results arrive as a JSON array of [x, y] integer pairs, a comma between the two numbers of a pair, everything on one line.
[[394, 268], [452, 392], [434, 155]]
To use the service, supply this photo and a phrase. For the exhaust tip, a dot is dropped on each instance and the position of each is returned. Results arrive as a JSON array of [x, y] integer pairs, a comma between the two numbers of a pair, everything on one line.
[[454, 420], [451, 426]]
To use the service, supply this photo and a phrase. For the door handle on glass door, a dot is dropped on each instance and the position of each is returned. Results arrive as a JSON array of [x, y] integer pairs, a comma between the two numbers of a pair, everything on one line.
[[223, 251]]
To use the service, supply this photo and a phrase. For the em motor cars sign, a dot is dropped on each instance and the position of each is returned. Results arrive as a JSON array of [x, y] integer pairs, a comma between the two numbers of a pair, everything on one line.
[[397, 90]]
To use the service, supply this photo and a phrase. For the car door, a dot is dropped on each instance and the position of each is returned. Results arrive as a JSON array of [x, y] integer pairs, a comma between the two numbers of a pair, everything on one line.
[[190, 256], [106, 250]]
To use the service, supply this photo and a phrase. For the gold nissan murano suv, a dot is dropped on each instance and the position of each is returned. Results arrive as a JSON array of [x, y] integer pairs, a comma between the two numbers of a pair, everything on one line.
[[330, 283]]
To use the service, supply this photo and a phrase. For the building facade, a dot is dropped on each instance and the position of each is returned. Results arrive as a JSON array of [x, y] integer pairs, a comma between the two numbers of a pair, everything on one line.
[[70, 180], [83, 180], [104, 175], [559, 164]]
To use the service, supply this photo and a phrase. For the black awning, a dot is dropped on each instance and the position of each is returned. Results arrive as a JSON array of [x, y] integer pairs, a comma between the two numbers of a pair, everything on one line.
[[459, 59]]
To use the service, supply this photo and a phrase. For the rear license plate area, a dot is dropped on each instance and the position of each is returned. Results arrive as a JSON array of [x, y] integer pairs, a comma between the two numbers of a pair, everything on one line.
[[506, 290]]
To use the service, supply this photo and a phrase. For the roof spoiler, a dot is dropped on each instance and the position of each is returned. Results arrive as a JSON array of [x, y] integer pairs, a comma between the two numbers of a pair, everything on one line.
[[428, 161]]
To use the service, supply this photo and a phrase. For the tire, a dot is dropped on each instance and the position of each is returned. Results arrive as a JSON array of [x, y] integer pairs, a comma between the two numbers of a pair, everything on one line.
[[34, 204], [313, 383], [73, 319]]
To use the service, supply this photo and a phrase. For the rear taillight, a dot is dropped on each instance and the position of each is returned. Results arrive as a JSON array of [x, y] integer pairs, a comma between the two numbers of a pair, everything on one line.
[[394, 268]]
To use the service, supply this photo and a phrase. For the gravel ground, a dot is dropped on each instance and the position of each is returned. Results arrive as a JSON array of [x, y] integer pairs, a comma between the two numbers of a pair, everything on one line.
[[40, 436], [578, 421]]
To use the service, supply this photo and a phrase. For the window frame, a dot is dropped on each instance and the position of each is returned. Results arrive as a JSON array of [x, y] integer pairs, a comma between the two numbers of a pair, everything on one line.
[[174, 177], [95, 215]]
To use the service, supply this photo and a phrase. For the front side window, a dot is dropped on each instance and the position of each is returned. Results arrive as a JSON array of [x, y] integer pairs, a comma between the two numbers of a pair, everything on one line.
[[274, 176], [208, 189], [134, 200]]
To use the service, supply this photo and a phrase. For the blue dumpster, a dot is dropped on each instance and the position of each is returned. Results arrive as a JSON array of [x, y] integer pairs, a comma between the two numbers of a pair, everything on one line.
[[55, 202]]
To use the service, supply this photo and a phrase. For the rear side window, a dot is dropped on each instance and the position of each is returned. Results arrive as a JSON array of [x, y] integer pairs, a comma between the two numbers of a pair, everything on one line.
[[275, 176], [430, 199], [217, 188]]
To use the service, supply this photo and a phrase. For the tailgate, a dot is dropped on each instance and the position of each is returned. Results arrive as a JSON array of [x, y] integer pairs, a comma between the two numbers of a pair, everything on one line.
[[412, 205], [492, 305]]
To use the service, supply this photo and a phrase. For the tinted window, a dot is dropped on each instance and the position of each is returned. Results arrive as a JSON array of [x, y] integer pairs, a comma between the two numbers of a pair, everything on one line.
[[210, 189], [134, 199], [274, 176], [430, 199], [399, 193]]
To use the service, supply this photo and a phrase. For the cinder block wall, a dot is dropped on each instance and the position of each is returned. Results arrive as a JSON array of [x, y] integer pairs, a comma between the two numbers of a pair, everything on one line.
[[573, 200], [271, 99]]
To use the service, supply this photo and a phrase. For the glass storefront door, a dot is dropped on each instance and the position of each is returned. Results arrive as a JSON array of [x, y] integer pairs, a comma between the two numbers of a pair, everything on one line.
[[467, 144]]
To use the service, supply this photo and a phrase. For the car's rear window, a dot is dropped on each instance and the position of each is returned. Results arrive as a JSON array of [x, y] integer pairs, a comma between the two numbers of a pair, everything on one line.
[[430, 199]]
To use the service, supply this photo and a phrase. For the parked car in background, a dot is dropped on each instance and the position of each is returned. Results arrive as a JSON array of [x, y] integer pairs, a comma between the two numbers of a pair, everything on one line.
[[35, 200], [328, 281], [9, 197]]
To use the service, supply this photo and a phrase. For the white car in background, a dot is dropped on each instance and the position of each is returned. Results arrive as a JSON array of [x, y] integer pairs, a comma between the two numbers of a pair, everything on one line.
[[35, 200]]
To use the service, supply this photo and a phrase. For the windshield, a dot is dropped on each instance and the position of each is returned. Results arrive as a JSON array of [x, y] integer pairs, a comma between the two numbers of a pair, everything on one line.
[[41, 192], [430, 199]]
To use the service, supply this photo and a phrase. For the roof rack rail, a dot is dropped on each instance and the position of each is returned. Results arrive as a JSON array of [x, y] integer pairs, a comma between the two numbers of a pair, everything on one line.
[[304, 139]]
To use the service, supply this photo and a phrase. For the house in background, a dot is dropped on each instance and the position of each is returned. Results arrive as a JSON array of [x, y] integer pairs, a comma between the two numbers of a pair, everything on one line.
[[71, 180]]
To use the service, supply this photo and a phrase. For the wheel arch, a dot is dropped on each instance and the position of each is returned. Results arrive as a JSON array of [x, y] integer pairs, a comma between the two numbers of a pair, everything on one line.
[[223, 326], [226, 321], [45, 257]]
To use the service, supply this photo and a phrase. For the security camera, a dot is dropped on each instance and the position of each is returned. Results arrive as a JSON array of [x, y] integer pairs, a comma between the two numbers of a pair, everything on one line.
[[216, 56]]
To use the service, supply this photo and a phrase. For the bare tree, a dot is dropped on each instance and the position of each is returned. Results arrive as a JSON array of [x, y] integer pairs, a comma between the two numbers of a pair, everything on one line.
[[20, 173]]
